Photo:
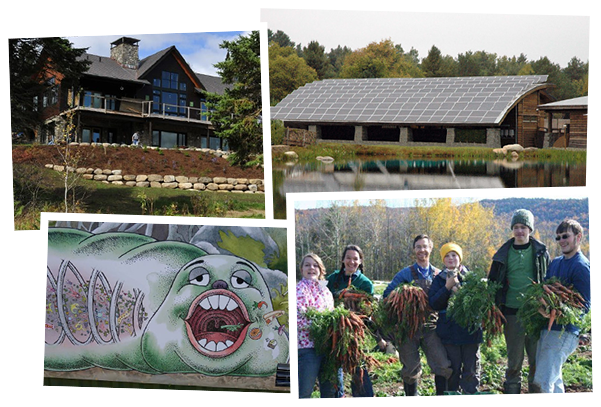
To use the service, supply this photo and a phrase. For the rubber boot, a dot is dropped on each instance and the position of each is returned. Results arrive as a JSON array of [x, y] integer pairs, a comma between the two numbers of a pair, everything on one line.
[[513, 388], [410, 389], [441, 385]]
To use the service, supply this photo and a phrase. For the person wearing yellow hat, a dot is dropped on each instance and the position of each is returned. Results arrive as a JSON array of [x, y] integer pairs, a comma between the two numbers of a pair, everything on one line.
[[462, 345]]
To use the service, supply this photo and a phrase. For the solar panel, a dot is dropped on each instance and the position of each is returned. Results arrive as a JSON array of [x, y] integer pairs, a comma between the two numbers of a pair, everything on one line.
[[414, 100]]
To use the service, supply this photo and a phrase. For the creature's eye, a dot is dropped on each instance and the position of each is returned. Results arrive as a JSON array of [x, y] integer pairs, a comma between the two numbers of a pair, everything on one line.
[[199, 276], [241, 279]]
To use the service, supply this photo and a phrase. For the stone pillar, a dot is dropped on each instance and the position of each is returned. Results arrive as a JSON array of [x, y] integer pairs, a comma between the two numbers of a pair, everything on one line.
[[450, 136], [315, 129], [404, 135], [547, 140], [493, 137], [358, 134]]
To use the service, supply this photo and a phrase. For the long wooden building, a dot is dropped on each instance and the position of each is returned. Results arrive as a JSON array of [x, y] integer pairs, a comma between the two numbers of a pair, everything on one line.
[[463, 111], [573, 113]]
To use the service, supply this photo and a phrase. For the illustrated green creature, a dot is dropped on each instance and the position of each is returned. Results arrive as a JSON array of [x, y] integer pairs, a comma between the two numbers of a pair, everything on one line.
[[124, 301]]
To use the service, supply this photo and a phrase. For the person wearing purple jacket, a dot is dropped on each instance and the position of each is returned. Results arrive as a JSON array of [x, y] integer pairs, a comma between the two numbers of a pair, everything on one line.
[[572, 268]]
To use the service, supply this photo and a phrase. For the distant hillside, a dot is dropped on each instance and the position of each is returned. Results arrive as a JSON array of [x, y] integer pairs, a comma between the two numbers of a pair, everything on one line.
[[548, 211]]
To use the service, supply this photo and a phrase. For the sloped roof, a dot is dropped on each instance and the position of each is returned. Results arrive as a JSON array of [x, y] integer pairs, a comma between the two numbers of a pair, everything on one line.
[[212, 84], [147, 63], [575, 103], [462, 100], [107, 67]]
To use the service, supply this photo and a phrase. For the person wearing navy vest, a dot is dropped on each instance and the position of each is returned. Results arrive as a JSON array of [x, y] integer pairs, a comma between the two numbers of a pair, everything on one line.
[[421, 273], [573, 269], [462, 344]]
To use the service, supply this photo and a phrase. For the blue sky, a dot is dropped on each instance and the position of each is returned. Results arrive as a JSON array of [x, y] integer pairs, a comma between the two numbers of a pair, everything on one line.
[[201, 50]]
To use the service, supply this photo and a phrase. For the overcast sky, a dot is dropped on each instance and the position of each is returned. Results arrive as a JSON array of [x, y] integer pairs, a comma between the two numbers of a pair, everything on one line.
[[200, 50], [558, 37]]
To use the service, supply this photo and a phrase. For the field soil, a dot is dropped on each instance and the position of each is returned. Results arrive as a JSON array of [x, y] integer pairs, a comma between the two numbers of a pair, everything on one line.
[[135, 161]]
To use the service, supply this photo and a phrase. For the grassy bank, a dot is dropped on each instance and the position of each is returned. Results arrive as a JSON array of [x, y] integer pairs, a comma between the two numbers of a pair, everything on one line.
[[340, 152], [40, 190]]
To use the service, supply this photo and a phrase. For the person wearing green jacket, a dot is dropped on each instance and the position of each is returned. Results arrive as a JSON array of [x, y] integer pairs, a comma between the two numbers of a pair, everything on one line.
[[350, 275], [518, 262]]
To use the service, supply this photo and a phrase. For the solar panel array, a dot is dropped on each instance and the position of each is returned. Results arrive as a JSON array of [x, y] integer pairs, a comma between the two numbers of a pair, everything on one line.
[[461, 100]]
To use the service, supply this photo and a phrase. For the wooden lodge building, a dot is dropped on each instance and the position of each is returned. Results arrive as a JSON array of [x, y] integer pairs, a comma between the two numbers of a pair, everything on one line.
[[463, 111], [566, 122], [159, 97]]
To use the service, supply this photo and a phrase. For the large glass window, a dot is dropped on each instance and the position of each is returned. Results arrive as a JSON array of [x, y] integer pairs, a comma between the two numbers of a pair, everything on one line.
[[92, 99], [86, 135], [170, 102], [170, 80], [204, 111], [168, 139]]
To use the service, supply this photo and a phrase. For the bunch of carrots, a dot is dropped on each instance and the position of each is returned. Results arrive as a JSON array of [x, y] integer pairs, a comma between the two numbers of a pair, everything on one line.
[[403, 313], [473, 306], [549, 302], [340, 335], [356, 300]]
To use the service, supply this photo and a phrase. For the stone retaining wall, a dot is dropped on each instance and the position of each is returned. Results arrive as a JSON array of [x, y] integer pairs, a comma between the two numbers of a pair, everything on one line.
[[217, 184]]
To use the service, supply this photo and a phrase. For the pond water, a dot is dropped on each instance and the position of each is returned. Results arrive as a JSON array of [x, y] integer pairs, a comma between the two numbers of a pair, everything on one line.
[[379, 175]]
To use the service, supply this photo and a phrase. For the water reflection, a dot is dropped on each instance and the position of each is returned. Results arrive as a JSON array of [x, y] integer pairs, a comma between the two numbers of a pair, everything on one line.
[[378, 175]]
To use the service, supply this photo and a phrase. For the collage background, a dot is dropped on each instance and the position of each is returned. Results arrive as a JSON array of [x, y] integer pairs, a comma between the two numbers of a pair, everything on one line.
[[22, 299]]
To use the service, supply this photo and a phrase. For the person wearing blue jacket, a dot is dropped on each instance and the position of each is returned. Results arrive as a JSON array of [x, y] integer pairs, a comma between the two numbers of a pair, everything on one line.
[[462, 346], [572, 268], [421, 273]]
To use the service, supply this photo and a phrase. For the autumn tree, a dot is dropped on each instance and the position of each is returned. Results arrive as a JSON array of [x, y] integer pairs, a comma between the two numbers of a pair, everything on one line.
[[287, 72], [379, 60], [470, 225]]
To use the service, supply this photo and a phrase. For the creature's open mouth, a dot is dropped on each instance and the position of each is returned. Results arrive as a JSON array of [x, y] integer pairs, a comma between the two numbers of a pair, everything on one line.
[[217, 322]]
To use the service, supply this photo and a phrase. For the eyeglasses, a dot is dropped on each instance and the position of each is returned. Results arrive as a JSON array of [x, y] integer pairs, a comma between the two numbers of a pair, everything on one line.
[[560, 237]]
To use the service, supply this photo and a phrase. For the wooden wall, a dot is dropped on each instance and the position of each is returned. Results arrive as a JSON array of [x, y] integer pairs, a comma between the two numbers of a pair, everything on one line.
[[578, 129], [528, 120]]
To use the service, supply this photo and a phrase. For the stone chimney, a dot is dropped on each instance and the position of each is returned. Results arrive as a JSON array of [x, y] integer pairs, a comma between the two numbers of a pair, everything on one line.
[[125, 52]]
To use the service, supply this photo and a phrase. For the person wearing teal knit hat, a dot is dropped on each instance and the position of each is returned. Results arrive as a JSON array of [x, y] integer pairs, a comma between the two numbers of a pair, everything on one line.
[[518, 262]]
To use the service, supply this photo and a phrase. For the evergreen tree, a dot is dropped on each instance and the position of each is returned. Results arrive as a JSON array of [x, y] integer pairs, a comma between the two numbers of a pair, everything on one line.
[[236, 114], [280, 38], [315, 56], [32, 62]]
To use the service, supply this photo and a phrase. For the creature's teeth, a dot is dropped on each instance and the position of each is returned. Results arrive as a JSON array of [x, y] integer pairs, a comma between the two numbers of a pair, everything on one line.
[[214, 300], [221, 346], [223, 300], [203, 342], [232, 305], [205, 304], [229, 343], [212, 346]]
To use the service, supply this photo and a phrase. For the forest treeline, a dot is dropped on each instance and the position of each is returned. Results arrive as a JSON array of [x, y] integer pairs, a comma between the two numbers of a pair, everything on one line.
[[386, 233], [292, 65]]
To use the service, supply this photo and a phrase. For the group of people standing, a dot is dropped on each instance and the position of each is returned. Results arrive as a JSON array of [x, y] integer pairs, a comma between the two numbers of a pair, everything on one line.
[[453, 352]]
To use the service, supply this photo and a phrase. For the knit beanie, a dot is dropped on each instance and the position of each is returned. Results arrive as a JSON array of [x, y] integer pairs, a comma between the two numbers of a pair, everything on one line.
[[451, 247], [523, 216]]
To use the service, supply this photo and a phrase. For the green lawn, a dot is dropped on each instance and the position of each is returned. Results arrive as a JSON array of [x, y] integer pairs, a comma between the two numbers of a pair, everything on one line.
[[40, 190]]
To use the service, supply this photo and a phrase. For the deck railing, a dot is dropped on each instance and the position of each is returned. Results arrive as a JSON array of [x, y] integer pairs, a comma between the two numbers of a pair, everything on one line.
[[142, 108]]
